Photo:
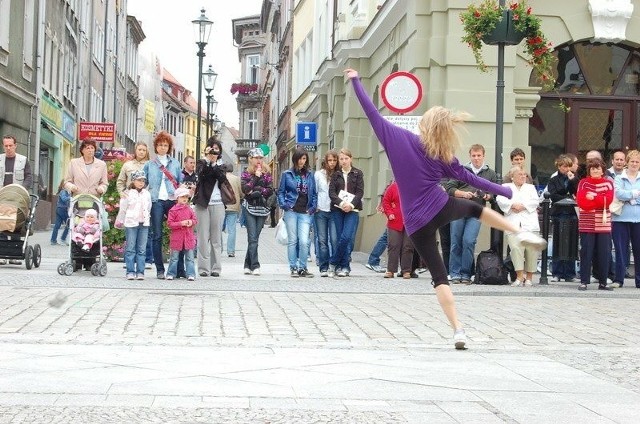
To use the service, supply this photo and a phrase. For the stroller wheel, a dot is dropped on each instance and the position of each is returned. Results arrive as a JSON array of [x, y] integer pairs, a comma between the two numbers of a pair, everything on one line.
[[102, 269], [28, 257], [68, 269], [61, 268], [94, 269], [37, 255]]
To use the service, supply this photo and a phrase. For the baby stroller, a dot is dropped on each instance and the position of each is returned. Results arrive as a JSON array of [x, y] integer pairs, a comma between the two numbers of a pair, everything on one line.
[[93, 258], [17, 216]]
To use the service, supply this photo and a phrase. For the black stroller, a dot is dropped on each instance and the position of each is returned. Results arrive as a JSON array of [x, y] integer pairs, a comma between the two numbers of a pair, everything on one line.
[[17, 216]]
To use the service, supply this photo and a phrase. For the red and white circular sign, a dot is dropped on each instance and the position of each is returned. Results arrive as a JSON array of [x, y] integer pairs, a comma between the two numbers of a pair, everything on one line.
[[401, 92]]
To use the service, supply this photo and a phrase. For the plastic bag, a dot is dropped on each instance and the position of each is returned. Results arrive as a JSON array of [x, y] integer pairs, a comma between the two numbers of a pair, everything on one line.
[[281, 233]]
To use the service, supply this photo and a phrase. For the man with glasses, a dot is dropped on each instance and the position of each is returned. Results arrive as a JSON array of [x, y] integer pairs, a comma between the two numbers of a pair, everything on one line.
[[14, 169]]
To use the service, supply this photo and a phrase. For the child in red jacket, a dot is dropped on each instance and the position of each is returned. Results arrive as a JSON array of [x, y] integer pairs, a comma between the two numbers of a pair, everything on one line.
[[181, 221], [595, 193], [399, 246]]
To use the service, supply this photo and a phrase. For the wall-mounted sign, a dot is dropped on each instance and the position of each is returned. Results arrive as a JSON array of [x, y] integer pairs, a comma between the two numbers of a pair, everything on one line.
[[401, 92], [103, 132], [307, 135]]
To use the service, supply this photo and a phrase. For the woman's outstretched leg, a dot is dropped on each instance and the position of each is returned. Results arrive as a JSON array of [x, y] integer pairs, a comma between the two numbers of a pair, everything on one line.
[[499, 222]]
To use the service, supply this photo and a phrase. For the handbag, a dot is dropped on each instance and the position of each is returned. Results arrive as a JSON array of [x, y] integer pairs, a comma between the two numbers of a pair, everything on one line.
[[616, 206], [281, 233], [227, 193], [256, 210]]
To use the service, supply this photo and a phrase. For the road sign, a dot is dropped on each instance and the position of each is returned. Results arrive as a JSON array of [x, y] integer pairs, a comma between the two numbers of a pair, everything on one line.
[[401, 92], [307, 133]]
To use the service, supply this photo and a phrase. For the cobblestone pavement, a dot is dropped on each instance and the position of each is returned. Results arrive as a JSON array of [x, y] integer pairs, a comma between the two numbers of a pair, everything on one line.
[[593, 333]]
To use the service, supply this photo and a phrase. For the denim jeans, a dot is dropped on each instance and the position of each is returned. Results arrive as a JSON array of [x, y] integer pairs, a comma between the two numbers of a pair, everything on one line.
[[159, 211], [188, 262], [325, 231], [136, 246], [254, 228], [464, 234], [230, 219], [346, 227], [622, 233], [62, 217], [298, 226], [378, 249]]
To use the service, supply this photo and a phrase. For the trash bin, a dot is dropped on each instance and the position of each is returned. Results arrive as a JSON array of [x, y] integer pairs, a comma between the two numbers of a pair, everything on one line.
[[565, 231]]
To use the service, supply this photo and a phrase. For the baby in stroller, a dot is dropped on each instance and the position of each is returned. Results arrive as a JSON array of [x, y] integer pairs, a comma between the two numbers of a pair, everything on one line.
[[88, 230]]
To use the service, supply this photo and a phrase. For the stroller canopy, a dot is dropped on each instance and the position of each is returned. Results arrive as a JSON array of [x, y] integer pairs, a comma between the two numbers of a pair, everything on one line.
[[14, 207]]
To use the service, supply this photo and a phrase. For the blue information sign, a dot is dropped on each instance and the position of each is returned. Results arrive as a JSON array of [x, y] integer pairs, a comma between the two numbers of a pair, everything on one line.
[[307, 135]]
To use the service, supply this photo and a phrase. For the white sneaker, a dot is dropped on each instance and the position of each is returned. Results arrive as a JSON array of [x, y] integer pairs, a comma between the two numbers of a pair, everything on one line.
[[528, 283], [516, 283], [459, 339], [527, 238], [247, 271], [256, 271], [593, 280], [555, 279], [147, 266]]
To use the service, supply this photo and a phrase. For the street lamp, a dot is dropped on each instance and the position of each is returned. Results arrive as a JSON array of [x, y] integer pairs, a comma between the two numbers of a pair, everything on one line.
[[209, 81], [202, 26]]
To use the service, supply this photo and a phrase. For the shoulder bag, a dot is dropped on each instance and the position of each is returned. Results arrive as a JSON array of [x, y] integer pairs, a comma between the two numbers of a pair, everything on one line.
[[227, 193]]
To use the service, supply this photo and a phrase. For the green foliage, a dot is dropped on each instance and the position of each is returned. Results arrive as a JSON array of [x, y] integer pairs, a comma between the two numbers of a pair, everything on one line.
[[478, 21]]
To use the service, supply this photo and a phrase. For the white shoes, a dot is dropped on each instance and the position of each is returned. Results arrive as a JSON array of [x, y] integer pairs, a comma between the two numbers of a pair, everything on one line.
[[517, 283], [460, 339], [247, 271], [527, 238], [528, 283], [256, 271]]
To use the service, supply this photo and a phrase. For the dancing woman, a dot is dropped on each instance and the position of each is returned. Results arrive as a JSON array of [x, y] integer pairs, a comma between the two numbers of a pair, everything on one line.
[[418, 164]]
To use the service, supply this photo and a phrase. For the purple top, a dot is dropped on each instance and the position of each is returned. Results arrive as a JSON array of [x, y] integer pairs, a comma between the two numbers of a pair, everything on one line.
[[417, 174]]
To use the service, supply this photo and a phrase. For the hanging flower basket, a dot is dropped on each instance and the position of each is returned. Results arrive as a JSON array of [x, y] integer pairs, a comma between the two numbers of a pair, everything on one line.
[[492, 24]]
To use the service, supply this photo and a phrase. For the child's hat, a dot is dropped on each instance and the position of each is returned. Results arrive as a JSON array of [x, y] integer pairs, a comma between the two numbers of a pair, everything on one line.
[[91, 212], [138, 175], [182, 191]]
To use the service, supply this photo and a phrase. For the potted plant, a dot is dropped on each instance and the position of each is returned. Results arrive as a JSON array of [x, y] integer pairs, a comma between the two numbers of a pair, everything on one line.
[[243, 88], [492, 24]]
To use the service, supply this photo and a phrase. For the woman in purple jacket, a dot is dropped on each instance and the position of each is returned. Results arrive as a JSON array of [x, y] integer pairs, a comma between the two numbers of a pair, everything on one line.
[[419, 163]]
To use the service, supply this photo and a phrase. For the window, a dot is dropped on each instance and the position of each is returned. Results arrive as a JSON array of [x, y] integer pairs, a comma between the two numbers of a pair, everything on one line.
[[5, 24], [253, 68], [28, 34], [251, 129], [98, 44]]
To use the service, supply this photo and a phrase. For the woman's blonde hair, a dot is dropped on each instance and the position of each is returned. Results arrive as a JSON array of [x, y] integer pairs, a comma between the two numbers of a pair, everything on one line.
[[632, 154], [438, 132], [141, 143]]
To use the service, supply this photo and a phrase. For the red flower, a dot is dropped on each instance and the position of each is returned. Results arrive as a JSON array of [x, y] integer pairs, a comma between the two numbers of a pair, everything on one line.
[[514, 6], [476, 14]]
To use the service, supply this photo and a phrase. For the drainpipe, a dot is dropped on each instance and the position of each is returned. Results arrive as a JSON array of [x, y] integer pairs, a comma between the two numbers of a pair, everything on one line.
[[104, 61], [42, 6]]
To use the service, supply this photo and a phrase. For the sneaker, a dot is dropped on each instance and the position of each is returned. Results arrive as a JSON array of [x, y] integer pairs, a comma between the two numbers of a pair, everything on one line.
[[247, 271], [375, 268], [593, 280], [147, 266], [324, 274], [460, 339], [605, 287], [305, 273], [216, 273], [615, 285], [517, 283], [331, 273], [527, 238], [556, 279], [232, 255], [294, 273], [191, 278], [256, 271], [204, 274], [15, 262], [160, 276], [582, 287], [131, 277], [169, 277], [342, 273], [54, 243], [3, 261], [63, 243], [140, 277], [421, 270], [456, 280], [528, 283]]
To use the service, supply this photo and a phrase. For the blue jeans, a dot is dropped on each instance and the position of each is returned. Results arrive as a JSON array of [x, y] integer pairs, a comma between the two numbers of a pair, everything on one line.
[[188, 262], [136, 246], [159, 211], [346, 227], [464, 234], [62, 217], [325, 231], [622, 233], [378, 249], [230, 219], [254, 228], [298, 226]]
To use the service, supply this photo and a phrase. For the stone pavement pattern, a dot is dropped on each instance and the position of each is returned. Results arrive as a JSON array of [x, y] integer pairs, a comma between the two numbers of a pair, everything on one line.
[[271, 349]]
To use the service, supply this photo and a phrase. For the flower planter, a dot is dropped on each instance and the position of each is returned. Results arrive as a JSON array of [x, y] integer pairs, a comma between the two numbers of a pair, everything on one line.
[[505, 32]]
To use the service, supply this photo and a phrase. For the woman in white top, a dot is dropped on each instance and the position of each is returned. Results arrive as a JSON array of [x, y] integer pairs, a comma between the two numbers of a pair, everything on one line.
[[522, 211], [324, 227]]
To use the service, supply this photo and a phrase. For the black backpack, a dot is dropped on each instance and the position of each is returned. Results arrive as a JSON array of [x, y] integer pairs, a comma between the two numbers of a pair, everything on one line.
[[490, 269]]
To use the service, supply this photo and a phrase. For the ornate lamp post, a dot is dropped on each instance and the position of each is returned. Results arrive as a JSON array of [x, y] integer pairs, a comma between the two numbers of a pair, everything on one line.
[[202, 26], [209, 81], [212, 114]]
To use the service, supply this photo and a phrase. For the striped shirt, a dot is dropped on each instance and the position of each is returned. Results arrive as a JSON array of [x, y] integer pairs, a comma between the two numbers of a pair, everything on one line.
[[594, 216]]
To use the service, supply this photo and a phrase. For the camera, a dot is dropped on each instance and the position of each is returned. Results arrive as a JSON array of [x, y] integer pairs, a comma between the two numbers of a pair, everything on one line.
[[480, 194]]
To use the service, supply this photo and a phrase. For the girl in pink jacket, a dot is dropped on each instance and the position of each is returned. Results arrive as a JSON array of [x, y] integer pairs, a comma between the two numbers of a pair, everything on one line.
[[181, 221]]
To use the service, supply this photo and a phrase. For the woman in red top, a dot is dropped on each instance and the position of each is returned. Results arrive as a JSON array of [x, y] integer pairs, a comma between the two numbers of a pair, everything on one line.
[[595, 193], [399, 245]]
